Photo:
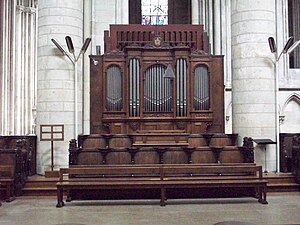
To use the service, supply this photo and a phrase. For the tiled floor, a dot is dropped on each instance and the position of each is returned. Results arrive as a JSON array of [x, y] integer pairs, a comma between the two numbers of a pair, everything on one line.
[[282, 209]]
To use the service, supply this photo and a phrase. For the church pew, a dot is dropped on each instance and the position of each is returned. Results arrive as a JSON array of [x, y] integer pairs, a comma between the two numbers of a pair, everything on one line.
[[164, 178], [229, 178], [106, 178], [17, 158], [28, 143], [7, 183]]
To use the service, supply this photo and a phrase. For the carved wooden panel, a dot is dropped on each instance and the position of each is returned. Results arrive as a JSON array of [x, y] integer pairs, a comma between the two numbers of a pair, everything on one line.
[[149, 100]]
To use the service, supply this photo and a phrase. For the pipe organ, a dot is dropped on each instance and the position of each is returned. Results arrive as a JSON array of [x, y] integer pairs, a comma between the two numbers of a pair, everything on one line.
[[131, 91]]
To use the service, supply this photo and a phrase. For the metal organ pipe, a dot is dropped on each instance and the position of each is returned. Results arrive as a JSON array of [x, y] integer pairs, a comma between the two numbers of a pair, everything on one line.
[[134, 89], [113, 89], [181, 108], [130, 87], [201, 89], [157, 90], [185, 89]]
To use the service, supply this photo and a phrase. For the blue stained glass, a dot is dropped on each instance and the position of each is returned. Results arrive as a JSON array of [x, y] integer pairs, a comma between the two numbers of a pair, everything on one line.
[[154, 12]]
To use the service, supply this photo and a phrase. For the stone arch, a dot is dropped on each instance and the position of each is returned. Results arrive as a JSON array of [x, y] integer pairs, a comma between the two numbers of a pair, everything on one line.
[[293, 97], [290, 115]]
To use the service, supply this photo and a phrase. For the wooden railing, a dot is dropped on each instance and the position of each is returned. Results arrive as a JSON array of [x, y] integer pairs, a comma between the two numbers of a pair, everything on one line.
[[121, 36]]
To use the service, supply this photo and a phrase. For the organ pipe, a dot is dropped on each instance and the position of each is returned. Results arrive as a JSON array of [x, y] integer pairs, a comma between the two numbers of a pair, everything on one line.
[[157, 90], [114, 89], [134, 87], [201, 88], [181, 95]]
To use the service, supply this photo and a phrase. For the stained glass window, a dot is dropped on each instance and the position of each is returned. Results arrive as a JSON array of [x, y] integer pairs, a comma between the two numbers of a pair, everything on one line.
[[154, 12], [294, 30]]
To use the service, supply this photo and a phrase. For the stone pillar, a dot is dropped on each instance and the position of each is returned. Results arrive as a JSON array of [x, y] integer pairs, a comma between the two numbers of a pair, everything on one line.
[[253, 80], [217, 27], [17, 66], [86, 67], [121, 12], [195, 12], [113, 12], [125, 12], [56, 77]]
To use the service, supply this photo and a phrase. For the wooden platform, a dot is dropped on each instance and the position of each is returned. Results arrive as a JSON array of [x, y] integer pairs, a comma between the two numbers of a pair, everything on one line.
[[38, 185], [281, 182]]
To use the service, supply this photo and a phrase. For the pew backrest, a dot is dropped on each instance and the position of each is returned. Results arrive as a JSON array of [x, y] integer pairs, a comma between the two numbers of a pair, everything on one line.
[[212, 170], [161, 171], [7, 171], [108, 172]]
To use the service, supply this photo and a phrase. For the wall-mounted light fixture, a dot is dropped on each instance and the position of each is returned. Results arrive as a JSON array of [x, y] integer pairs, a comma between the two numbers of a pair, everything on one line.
[[288, 48], [95, 62], [292, 48], [74, 60]]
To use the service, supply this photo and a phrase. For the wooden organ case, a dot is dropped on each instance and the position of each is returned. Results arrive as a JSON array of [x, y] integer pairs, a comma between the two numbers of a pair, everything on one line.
[[157, 96], [130, 89]]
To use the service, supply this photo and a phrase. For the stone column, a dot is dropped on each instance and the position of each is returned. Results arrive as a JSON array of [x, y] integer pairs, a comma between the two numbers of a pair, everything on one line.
[[253, 79], [113, 12], [86, 67], [217, 20], [195, 12], [17, 66], [56, 79], [125, 12]]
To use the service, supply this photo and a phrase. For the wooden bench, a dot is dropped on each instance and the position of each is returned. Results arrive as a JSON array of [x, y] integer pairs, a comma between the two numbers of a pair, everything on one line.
[[162, 178], [7, 182], [16, 158], [214, 176], [107, 177]]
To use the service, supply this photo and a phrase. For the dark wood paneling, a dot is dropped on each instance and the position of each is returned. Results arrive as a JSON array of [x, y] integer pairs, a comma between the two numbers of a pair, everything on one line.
[[152, 151], [125, 42], [28, 145], [286, 151], [135, 12], [296, 157], [17, 158]]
